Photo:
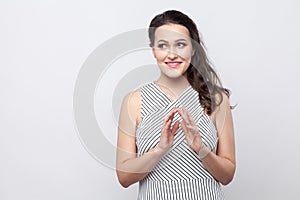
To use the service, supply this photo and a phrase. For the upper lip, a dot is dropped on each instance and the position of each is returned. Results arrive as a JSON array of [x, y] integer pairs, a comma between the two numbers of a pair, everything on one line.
[[173, 62]]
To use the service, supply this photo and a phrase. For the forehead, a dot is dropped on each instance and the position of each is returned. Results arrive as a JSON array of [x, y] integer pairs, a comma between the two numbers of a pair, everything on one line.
[[172, 32]]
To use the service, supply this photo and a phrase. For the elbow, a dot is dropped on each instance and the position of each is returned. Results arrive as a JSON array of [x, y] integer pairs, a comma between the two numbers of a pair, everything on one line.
[[228, 179], [124, 183], [123, 179]]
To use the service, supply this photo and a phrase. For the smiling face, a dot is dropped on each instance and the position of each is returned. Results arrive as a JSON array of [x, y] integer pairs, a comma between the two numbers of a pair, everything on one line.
[[172, 49]]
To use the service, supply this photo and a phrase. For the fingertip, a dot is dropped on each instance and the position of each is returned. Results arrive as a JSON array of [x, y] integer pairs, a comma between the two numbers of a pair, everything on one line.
[[179, 111], [180, 123]]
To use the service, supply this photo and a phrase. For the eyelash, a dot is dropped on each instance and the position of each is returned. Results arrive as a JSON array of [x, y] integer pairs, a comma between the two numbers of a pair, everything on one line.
[[161, 46], [180, 44]]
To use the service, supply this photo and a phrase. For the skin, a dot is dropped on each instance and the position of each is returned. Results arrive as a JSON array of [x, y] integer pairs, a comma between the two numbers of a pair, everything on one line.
[[172, 44]]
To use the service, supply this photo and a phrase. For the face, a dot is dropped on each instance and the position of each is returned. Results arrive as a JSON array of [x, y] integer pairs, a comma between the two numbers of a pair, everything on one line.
[[172, 49]]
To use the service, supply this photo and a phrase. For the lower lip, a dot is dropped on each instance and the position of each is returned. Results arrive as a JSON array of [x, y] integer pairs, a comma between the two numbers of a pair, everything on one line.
[[173, 65]]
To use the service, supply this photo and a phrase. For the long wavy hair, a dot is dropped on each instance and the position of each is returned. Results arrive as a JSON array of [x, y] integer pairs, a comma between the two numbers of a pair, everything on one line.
[[200, 73]]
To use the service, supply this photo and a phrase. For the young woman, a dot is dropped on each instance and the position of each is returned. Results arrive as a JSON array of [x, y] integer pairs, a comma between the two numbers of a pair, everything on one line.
[[175, 134]]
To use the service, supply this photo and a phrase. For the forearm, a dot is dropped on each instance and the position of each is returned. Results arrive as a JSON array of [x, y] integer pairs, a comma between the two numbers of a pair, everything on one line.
[[222, 169], [135, 169]]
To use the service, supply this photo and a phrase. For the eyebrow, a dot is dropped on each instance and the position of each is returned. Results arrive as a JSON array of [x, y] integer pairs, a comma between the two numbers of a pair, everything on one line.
[[181, 39]]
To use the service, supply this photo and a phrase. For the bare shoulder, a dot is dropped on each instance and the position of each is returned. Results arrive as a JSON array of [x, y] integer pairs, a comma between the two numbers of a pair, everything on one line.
[[135, 96], [132, 105], [224, 104], [133, 99]]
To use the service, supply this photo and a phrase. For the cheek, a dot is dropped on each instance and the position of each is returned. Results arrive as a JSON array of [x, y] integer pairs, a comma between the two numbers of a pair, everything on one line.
[[160, 55], [185, 54]]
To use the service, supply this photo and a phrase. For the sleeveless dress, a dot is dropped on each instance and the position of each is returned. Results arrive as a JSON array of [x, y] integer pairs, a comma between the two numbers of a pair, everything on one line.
[[180, 174]]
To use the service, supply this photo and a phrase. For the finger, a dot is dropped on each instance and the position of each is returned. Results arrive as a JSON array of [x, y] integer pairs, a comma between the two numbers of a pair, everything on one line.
[[168, 124], [189, 116], [184, 116], [186, 113], [175, 128], [167, 118], [187, 134], [183, 126], [170, 115]]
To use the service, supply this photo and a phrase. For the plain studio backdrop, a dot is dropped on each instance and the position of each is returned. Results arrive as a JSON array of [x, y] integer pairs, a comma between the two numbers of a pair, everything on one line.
[[254, 45]]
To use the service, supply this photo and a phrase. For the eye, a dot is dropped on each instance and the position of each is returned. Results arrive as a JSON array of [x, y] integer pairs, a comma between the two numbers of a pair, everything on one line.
[[162, 46], [181, 44]]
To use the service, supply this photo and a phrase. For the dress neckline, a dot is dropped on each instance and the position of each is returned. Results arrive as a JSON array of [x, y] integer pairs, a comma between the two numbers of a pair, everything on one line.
[[170, 99]]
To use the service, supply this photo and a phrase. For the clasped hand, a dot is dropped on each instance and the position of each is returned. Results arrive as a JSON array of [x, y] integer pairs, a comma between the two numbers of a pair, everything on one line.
[[189, 128]]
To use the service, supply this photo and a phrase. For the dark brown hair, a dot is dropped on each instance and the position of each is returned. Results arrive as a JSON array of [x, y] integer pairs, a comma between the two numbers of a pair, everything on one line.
[[200, 73]]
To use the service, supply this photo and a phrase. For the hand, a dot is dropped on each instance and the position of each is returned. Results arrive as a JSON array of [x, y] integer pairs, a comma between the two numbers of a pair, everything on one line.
[[190, 130], [168, 132]]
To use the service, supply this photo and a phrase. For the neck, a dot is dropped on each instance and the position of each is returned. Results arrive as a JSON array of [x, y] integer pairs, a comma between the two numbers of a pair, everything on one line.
[[177, 85]]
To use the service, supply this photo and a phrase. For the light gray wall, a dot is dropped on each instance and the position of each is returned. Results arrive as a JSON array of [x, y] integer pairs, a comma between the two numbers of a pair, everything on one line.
[[254, 45]]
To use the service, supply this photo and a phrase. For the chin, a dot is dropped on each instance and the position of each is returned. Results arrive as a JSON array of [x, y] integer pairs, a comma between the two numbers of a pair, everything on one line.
[[172, 74]]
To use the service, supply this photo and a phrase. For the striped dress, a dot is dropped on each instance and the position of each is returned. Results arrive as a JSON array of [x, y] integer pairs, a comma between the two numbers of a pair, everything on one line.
[[180, 174]]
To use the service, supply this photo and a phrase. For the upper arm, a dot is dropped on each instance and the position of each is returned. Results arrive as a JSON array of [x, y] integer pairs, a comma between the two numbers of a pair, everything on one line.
[[128, 120], [224, 124]]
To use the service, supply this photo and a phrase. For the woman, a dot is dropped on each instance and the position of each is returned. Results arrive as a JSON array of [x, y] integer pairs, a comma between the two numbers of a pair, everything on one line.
[[175, 134]]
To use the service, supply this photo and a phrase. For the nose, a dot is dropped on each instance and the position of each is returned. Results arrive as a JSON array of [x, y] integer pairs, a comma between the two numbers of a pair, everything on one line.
[[172, 55]]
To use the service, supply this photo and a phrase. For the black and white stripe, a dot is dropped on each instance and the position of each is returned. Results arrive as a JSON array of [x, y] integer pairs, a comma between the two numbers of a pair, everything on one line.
[[180, 174]]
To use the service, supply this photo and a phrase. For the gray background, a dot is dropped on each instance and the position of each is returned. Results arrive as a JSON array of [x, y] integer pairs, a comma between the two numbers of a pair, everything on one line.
[[253, 44]]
